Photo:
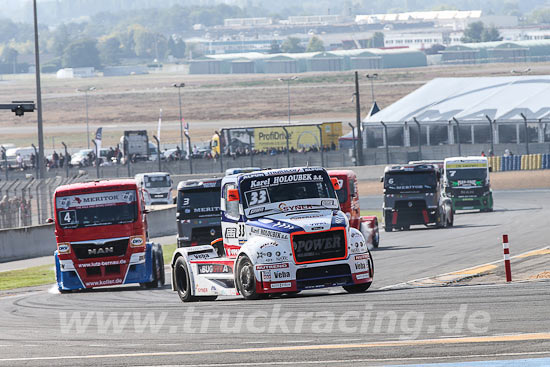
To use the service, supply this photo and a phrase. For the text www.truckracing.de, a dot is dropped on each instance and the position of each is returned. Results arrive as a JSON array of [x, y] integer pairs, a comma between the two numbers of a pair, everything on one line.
[[406, 324]]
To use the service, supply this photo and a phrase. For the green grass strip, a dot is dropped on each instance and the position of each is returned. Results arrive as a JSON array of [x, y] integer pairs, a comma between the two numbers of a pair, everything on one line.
[[36, 275]]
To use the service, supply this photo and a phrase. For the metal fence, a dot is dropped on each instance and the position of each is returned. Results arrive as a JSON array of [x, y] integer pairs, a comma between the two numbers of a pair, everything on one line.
[[27, 202]]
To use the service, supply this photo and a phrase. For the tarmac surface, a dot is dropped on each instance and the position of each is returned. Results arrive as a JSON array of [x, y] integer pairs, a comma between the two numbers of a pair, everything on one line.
[[496, 324]]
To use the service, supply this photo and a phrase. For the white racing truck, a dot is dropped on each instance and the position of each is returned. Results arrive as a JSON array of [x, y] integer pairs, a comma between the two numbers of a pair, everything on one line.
[[283, 232], [156, 186]]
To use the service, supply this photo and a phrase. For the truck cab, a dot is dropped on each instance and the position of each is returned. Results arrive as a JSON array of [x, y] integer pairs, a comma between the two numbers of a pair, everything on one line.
[[413, 195], [156, 187], [467, 183], [101, 234], [282, 232], [198, 212]]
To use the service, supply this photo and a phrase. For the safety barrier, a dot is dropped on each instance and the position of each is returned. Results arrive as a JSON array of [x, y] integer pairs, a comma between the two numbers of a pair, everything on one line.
[[520, 162]]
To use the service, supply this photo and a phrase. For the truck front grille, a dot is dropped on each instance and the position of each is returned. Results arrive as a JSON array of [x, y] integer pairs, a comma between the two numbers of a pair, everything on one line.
[[92, 250], [205, 235], [319, 246], [410, 204], [323, 276]]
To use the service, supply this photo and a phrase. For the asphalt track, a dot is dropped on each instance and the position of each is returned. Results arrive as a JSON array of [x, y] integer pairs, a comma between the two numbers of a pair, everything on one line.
[[130, 326]]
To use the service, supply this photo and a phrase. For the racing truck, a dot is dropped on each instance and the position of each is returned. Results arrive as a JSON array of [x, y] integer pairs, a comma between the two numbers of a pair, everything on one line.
[[198, 212], [348, 196], [156, 186], [413, 195], [101, 234], [466, 182], [283, 232]]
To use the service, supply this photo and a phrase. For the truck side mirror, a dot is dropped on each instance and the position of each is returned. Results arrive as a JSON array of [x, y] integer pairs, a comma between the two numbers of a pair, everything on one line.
[[49, 220], [178, 215], [490, 169], [146, 211], [335, 183], [233, 195], [381, 178]]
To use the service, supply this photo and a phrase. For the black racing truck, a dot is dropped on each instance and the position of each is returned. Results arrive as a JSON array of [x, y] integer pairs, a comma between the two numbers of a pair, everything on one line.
[[413, 195], [198, 212]]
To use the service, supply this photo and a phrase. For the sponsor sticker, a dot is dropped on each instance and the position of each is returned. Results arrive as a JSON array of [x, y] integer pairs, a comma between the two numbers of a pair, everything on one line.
[[214, 269], [281, 285], [268, 233], [362, 276], [272, 266], [289, 208], [281, 275]]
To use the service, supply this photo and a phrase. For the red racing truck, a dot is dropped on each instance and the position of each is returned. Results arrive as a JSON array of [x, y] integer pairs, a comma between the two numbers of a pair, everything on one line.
[[101, 233], [348, 196]]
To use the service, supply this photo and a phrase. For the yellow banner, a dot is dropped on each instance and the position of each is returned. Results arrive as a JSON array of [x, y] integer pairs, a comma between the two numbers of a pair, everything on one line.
[[300, 137]]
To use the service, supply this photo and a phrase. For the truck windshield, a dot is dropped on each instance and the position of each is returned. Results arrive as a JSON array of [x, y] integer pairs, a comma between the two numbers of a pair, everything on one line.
[[479, 174], [199, 203], [157, 181], [97, 209], [274, 189], [410, 181]]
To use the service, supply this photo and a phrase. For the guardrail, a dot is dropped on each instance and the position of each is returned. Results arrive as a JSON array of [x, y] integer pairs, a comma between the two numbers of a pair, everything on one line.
[[520, 162]]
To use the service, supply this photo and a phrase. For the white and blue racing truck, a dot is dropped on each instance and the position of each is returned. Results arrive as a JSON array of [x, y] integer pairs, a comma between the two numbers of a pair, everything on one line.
[[283, 232]]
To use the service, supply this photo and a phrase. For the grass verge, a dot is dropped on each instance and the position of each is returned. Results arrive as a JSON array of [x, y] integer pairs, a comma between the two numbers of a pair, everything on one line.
[[167, 252], [36, 275]]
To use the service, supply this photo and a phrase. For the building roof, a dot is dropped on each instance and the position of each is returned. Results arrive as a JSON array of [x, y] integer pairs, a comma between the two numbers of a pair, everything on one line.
[[470, 100], [418, 16]]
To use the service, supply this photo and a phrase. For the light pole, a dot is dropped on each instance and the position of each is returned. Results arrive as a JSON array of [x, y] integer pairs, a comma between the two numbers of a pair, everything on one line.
[[179, 86], [288, 80], [40, 156], [85, 91], [371, 77]]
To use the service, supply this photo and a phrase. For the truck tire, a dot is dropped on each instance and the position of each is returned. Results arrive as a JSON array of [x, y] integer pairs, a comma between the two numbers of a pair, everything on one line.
[[376, 238], [245, 279], [158, 271], [440, 222], [357, 288], [387, 222], [451, 220], [182, 282]]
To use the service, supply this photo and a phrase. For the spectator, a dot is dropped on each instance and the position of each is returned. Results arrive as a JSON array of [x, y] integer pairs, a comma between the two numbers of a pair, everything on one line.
[[482, 153], [19, 161], [55, 159], [33, 160]]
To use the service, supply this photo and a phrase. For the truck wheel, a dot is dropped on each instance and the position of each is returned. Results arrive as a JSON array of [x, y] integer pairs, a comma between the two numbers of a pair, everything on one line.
[[158, 272], [376, 238], [182, 282], [451, 220], [387, 222], [357, 288], [245, 279], [439, 222]]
